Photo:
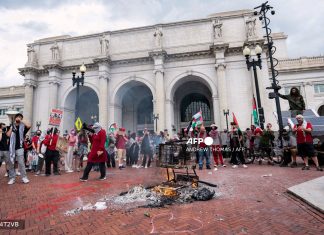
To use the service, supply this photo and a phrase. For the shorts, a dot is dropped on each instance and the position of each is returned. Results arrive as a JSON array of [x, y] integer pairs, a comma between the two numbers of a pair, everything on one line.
[[4, 156], [306, 150], [83, 150]]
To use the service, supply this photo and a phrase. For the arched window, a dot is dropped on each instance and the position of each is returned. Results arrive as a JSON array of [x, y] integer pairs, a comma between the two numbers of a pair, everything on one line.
[[145, 111], [192, 104], [321, 110]]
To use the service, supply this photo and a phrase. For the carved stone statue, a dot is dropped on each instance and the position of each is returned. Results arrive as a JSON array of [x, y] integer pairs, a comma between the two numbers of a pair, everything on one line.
[[55, 52], [104, 45], [250, 23], [158, 37], [32, 60], [217, 25]]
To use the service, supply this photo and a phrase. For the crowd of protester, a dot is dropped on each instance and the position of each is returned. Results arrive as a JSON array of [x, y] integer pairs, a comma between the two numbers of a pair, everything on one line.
[[101, 149]]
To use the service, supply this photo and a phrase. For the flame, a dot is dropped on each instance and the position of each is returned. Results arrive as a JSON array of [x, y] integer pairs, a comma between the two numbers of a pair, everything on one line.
[[166, 191], [194, 183], [169, 192]]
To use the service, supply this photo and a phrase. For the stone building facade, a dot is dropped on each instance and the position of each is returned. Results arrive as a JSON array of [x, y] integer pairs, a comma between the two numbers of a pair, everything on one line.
[[171, 70]]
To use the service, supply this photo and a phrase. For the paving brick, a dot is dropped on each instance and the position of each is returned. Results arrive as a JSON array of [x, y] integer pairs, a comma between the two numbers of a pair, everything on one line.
[[248, 204]]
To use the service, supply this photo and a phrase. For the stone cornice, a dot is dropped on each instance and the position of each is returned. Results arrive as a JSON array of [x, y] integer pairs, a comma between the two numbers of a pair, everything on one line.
[[104, 59], [25, 70], [224, 15], [157, 53], [219, 47], [52, 66], [300, 64], [189, 55], [14, 91]]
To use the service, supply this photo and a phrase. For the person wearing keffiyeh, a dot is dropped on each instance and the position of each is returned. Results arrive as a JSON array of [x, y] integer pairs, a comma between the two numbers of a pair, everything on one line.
[[17, 133], [305, 147], [97, 154]]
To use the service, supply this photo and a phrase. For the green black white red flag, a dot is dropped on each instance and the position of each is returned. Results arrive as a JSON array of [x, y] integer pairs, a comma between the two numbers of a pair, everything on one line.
[[255, 113]]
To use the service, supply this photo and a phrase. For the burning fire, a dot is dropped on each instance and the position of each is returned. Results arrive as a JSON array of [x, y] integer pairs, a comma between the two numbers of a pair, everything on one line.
[[166, 191]]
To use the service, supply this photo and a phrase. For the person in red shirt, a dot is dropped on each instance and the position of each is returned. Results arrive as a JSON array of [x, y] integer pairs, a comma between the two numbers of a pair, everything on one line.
[[51, 155], [35, 139], [305, 145], [121, 141], [98, 154]]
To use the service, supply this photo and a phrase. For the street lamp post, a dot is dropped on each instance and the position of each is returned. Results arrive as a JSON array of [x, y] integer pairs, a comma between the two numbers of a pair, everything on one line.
[[78, 81], [155, 117], [255, 63], [264, 8], [38, 124], [226, 114]]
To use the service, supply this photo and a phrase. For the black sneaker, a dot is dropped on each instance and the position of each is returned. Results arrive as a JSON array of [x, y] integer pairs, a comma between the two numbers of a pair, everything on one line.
[[103, 178], [57, 173], [305, 168], [319, 168], [293, 165], [83, 179], [208, 167]]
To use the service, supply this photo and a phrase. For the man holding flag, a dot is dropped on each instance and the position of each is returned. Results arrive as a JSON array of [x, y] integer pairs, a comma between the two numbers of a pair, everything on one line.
[[236, 143]]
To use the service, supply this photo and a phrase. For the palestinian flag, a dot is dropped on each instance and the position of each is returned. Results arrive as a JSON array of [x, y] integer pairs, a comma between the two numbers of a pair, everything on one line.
[[197, 120], [236, 122], [255, 113], [113, 127]]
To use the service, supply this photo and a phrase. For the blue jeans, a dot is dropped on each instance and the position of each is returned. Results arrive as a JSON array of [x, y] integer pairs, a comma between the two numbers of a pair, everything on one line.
[[204, 153]]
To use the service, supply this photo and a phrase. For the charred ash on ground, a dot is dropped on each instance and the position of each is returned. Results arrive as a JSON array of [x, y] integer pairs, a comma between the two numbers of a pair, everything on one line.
[[158, 196]]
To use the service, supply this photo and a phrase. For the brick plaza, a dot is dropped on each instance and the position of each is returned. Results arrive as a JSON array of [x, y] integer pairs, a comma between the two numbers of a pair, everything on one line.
[[247, 203]]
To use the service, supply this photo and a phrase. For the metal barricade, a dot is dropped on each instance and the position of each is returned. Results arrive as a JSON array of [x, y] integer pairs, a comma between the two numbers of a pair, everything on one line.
[[175, 156]]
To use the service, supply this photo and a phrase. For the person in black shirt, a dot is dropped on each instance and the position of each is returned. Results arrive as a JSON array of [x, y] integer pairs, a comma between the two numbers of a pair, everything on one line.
[[4, 145], [17, 133]]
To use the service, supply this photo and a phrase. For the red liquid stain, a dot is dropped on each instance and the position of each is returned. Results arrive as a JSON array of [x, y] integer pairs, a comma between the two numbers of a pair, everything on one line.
[[66, 186]]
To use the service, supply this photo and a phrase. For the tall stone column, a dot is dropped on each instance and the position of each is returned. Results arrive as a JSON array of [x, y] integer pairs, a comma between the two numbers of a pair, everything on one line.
[[158, 72], [169, 114], [30, 84], [104, 74], [217, 112], [222, 94], [220, 66], [54, 82], [307, 91]]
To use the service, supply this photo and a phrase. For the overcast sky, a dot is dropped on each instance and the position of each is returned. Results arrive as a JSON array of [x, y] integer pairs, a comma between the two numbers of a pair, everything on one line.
[[23, 21]]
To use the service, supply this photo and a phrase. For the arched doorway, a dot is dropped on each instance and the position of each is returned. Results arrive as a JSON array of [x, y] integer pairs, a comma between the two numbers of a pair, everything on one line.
[[190, 97], [134, 107], [321, 110], [88, 107]]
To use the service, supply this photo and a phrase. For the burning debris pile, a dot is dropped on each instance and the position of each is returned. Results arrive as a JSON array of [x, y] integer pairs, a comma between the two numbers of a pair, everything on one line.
[[182, 185], [157, 196], [165, 194]]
